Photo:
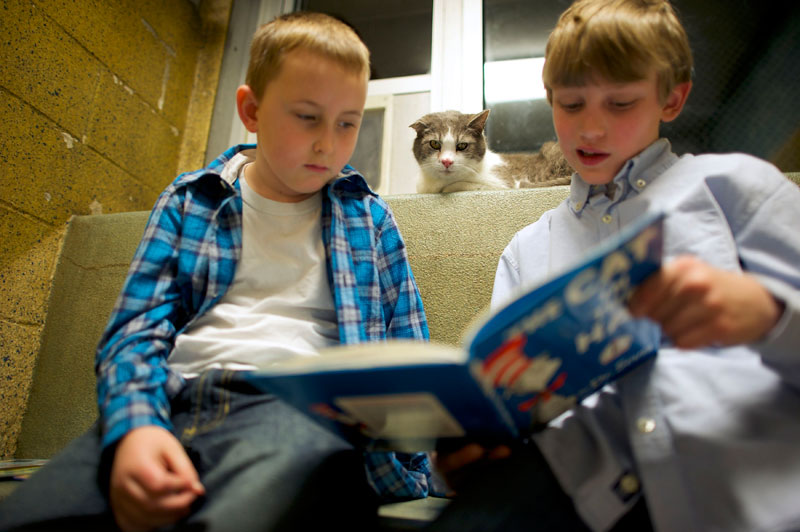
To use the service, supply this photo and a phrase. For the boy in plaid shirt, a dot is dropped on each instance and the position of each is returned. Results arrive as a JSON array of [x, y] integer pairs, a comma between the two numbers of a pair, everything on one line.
[[273, 251]]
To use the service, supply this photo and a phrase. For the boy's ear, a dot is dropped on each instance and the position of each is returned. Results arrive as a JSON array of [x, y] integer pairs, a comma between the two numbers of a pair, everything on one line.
[[675, 101], [247, 106]]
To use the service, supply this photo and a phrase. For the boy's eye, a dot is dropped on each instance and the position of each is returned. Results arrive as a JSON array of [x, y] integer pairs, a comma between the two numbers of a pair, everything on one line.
[[622, 105], [436, 145], [346, 125], [461, 146], [571, 106], [302, 116]]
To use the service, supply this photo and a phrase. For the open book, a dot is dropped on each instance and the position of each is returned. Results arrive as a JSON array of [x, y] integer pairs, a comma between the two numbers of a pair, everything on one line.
[[520, 367]]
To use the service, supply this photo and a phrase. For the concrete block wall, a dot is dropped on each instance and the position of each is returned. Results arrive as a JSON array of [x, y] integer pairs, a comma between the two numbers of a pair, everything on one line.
[[102, 104]]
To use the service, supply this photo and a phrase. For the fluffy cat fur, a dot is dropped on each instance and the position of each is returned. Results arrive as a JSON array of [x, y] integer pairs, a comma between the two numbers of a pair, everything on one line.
[[452, 154]]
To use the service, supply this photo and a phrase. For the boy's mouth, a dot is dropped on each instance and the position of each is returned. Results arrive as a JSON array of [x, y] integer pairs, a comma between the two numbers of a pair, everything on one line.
[[317, 168], [591, 157]]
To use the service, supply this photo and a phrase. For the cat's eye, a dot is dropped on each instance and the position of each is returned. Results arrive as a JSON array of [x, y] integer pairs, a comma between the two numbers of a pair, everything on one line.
[[436, 145], [461, 146]]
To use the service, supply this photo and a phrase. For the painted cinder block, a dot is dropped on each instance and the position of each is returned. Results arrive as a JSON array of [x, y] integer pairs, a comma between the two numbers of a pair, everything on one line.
[[94, 98], [129, 132], [114, 33], [19, 344], [50, 175], [47, 67], [27, 261]]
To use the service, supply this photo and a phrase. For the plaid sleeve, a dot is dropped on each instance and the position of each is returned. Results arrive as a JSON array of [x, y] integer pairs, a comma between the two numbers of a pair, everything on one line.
[[402, 304], [132, 375], [399, 476]]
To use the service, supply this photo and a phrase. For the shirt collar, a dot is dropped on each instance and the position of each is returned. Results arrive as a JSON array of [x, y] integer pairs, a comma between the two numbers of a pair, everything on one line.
[[636, 174], [350, 180]]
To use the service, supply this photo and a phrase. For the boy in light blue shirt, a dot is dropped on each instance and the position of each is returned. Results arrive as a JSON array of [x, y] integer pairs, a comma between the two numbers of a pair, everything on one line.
[[704, 437], [273, 251]]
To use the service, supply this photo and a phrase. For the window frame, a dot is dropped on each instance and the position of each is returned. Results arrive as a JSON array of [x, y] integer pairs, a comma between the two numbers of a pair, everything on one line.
[[455, 80]]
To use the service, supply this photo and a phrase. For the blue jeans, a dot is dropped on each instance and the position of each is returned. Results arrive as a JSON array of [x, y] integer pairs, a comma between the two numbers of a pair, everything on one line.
[[264, 466]]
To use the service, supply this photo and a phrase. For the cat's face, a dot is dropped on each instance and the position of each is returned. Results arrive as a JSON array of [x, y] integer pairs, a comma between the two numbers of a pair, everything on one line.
[[450, 145]]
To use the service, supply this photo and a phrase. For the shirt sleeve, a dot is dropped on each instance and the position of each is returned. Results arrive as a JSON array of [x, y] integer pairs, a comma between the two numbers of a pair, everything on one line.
[[529, 246], [133, 380], [400, 299], [398, 476], [769, 249], [506, 278]]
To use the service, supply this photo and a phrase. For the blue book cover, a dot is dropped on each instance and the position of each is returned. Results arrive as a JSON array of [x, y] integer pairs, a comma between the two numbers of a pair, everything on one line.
[[520, 367]]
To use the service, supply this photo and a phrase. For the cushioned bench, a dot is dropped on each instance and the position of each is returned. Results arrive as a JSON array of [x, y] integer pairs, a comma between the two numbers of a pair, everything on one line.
[[454, 242]]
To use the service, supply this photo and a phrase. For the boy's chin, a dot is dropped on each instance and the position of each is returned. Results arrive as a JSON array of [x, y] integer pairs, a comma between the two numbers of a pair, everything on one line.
[[596, 178]]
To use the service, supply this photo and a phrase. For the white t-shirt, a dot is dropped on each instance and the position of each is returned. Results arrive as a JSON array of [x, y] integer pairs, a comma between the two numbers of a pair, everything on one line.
[[279, 304]]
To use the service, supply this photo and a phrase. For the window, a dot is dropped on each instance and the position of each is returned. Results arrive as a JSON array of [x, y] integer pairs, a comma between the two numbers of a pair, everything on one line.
[[744, 93], [432, 55], [398, 34], [515, 34]]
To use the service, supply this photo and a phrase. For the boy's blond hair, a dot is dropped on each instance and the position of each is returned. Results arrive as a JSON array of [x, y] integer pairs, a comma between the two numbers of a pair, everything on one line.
[[618, 41], [315, 32]]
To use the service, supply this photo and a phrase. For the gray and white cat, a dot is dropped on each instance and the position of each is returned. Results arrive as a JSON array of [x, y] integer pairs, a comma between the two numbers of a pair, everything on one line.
[[452, 154]]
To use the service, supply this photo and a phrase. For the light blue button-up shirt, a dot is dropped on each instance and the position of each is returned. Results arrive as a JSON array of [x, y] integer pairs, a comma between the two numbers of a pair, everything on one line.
[[710, 436]]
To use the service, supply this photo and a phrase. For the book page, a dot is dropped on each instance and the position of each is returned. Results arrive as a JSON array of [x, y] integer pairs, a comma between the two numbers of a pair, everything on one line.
[[370, 355], [402, 416]]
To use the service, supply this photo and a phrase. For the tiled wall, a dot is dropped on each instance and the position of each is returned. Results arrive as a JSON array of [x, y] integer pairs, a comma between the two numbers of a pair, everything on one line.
[[102, 104]]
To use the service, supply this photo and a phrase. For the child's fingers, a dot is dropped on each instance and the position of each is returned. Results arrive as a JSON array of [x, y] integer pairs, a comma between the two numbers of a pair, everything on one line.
[[449, 462], [144, 510], [699, 305], [651, 300], [649, 297], [499, 453], [171, 507], [459, 466], [675, 287], [183, 471]]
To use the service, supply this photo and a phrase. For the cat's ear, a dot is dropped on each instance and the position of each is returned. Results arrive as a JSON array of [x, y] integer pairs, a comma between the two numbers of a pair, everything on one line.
[[419, 126], [478, 122]]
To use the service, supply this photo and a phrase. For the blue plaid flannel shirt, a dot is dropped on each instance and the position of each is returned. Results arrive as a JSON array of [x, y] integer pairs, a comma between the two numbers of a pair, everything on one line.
[[185, 263]]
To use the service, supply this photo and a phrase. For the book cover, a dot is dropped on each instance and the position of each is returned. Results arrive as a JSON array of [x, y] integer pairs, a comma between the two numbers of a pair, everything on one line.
[[520, 367]]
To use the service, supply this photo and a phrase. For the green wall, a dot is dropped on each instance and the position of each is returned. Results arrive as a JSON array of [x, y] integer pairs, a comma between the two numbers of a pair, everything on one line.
[[102, 104]]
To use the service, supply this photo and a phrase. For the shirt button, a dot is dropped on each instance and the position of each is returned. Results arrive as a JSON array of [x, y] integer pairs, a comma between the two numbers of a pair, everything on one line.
[[641, 183], [629, 484], [646, 425], [607, 219], [578, 206]]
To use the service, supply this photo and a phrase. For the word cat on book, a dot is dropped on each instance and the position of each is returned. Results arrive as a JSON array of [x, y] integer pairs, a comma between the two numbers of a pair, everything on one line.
[[452, 154]]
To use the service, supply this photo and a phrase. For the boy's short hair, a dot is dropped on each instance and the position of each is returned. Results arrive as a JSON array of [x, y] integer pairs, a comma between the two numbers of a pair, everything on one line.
[[315, 32], [618, 41]]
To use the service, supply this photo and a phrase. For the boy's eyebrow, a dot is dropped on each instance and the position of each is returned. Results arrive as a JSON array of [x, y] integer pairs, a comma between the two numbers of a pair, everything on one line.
[[357, 112]]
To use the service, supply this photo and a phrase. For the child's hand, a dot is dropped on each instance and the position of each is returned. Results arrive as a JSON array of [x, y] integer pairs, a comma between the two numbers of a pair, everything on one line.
[[153, 482], [455, 465], [698, 305]]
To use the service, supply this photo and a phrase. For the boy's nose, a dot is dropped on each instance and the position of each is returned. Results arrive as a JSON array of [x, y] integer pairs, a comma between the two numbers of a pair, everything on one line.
[[324, 142], [592, 126]]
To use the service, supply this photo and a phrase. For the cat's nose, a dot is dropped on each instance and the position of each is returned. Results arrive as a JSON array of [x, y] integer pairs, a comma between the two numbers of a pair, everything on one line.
[[447, 162]]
